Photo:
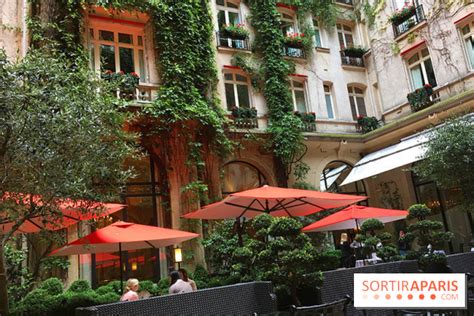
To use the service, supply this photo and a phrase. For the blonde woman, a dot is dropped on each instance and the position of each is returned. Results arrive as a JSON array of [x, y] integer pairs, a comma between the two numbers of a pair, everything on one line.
[[130, 291]]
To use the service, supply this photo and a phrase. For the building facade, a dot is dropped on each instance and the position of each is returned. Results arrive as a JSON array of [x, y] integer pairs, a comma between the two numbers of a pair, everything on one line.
[[426, 44]]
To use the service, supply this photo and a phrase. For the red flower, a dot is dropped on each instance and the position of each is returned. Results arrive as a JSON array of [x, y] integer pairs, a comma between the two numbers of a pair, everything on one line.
[[108, 72], [121, 72], [134, 74], [427, 85], [359, 117]]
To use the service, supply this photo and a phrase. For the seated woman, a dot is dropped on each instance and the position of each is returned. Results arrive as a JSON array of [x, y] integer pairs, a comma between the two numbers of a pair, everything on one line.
[[130, 291], [184, 277], [177, 285]]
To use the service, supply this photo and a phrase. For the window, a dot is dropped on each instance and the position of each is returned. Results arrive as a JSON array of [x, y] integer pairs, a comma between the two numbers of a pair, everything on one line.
[[228, 12], [117, 50], [357, 102], [298, 95], [344, 33], [287, 23], [401, 3], [240, 176], [329, 102], [421, 69], [317, 34], [468, 38], [236, 90]]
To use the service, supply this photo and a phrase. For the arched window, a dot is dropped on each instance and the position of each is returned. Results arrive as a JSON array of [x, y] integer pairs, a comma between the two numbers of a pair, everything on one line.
[[237, 90], [357, 102], [334, 174], [240, 176], [228, 12]]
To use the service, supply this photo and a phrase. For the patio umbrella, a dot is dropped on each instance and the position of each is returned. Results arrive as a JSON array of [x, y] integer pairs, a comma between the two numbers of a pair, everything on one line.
[[71, 213], [274, 201], [122, 236], [352, 216]]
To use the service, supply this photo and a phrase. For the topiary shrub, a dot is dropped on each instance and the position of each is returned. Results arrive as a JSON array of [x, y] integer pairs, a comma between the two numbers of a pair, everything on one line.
[[79, 286], [74, 299], [329, 260], [105, 289], [201, 277], [53, 286], [108, 298], [150, 287], [116, 287], [35, 302]]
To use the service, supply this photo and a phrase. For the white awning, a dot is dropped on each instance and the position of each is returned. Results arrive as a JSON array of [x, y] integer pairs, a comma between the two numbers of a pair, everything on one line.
[[331, 177], [409, 150]]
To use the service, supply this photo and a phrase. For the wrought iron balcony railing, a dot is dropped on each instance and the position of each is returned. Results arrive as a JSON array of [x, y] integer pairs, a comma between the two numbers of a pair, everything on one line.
[[245, 123], [293, 52], [224, 40], [309, 127], [348, 2], [415, 18], [351, 60]]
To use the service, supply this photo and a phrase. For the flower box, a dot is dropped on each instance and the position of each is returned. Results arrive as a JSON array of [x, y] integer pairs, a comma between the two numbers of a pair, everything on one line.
[[306, 117], [420, 98], [354, 51], [367, 124], [294, 40], [127, 83], [237, 31], [403, 14], [244, 113]]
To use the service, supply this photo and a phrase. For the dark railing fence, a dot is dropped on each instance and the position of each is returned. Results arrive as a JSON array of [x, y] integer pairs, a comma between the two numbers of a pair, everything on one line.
[[417, 17], [293, 52], [352, 61], [349, 2], [309, 127], [224, 40], [245, 123]]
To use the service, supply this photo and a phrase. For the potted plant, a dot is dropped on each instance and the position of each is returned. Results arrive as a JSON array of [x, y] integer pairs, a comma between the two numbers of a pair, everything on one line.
[[235, 31], [367, 124], [354, 51], [295, 40], [402, 14], [244, 113], [420, 98]]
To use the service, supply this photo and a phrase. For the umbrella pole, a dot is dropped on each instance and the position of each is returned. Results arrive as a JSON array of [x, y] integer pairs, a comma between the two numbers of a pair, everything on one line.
[[121, 267]]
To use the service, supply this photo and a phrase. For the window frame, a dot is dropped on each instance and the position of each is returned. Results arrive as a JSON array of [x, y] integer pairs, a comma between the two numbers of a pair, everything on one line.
[[354, 95], [420, 62], [331, 98], [465, 38], [317, 30], [341, 31], [95, 42], [235, 83], [293, 20], [293, 89], [226, 9]]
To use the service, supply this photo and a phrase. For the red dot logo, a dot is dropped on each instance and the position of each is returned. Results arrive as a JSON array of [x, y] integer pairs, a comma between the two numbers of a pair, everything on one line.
[[410, 296], [422, 296], [376, 296], [433, 296], [387, 296], [399, 296]]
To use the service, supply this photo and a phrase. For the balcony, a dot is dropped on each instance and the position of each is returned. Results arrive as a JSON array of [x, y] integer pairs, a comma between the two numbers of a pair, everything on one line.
[[351, 60], [347, 2], [144, 93], [309, 127], [293, 52], [226, 41], [407, 21], [245, 123]]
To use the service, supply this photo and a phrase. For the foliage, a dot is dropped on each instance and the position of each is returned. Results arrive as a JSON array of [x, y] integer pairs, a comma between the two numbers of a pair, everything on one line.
[[79, 286], [286, 138], [149, 286], [424, 232], [367, 124], [243, 112], [53, 286], [50, 263], [126, 82], [354, 51], [373, 240], [402, 14], [371, 11], [306, 117], [237, 31], [295, 40], [18, 277], [420, 98], [449, 157], [273, 249], [324, 11]]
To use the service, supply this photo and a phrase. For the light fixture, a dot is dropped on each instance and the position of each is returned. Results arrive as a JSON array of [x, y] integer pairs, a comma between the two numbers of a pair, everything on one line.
[[178, 256], [343, 237], [134, 266]]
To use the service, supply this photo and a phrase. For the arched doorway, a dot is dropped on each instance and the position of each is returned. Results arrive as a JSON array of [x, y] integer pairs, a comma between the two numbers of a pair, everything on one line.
[[334, 174], [240, 176]]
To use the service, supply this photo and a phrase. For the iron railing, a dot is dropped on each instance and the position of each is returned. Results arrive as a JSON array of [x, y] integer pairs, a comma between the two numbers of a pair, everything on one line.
[[245, 123], [293, 52], [409, 22], [352, 61], [224, 40], [348, 2]]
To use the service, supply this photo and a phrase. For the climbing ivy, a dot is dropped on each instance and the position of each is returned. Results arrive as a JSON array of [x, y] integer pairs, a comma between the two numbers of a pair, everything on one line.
[[285, 128]]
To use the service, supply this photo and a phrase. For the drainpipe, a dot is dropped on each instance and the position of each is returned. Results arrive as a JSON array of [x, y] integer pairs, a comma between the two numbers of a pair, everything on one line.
[[24, 27]]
